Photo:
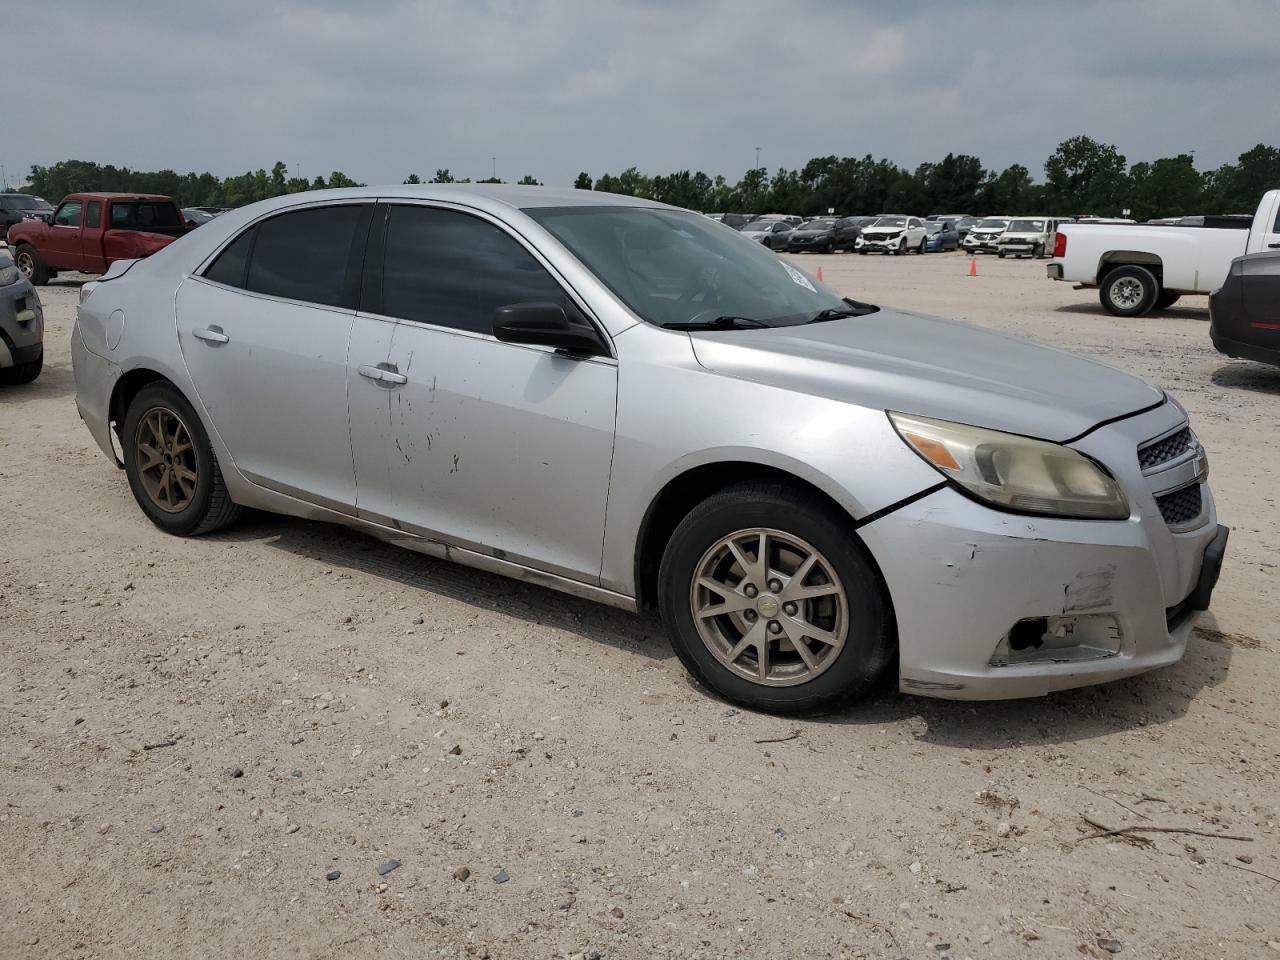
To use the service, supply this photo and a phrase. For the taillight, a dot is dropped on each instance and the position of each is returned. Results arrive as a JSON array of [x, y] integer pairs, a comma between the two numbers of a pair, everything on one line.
[[1059, 244]]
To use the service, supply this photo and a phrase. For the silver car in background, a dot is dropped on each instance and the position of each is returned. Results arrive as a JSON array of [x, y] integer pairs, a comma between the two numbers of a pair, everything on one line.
[[627, 402]]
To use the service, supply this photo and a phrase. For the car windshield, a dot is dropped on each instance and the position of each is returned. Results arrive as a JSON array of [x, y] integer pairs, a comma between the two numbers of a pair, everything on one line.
[[20, 202], [993, 224], [144, 215], [1026, 226], [759, 226], [890, 222], [673, 267], [933, 226], [815, 225]]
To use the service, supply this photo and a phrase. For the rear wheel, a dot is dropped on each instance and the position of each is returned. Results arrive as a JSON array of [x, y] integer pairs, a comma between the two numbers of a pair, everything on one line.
[[1128, 291], [770, 603], [171, 467], [30, 265], [1166, 300]]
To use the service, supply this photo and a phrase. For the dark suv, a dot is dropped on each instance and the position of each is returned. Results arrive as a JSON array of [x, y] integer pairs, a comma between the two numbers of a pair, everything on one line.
[[16, 207], [1244, 313]]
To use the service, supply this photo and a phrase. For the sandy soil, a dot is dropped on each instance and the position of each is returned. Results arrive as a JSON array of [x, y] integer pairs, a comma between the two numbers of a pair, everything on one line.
[[196, 732]]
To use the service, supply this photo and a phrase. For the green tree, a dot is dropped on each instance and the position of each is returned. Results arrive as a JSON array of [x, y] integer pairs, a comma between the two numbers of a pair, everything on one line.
[[412, 178], [1168, 186], [1085, 176], [583, 182], [528, 181], [442, 176]]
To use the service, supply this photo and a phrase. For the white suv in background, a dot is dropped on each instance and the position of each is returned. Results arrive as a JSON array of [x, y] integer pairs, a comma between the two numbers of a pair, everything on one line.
[[892, 233], [1027, 237], [985, 235]]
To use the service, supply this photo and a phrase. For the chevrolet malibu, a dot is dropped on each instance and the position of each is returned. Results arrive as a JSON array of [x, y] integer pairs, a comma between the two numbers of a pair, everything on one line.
[[627, 402]]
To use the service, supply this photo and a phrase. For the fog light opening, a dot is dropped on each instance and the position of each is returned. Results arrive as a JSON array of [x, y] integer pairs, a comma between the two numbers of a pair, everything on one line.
[[1093, 636]]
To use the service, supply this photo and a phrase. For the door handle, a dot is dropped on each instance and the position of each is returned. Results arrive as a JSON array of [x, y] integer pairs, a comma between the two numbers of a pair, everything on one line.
[[211, 335], [382, 374], [1274, 246]]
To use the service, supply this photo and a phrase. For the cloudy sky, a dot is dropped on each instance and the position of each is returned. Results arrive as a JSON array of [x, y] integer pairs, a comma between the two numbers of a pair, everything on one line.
[[383, 88]]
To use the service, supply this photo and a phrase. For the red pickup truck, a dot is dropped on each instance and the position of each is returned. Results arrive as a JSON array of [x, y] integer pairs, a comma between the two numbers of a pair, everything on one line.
[[90, 231]]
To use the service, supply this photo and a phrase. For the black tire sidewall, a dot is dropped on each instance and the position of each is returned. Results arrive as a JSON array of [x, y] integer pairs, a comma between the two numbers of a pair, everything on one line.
[[189, 519], [1143, 275], [869, 644]]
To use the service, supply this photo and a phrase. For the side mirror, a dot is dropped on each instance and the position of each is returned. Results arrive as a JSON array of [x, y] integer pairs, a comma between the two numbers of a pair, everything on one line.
[[545, 325]]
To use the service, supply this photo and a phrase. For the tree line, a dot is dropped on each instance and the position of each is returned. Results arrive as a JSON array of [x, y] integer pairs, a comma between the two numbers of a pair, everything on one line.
[[1081, 176]]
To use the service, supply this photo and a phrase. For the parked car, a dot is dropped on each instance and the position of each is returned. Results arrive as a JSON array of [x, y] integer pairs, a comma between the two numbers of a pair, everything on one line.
[[21, 325], [984, 235], [809, 488], [772, 233], [963, 222], [16, 207], [892, 233], [941, 235], [90, 231], [848, 229], [1138, 268], [1244, 313], [1027, 237], [790, 218], [196, 217], [818, 235]]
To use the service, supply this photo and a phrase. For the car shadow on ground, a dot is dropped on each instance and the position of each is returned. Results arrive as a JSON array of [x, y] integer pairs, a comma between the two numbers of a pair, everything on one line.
[[1170, 313], [54, 381], [343, 548], [1144, 701], [1246, 375]]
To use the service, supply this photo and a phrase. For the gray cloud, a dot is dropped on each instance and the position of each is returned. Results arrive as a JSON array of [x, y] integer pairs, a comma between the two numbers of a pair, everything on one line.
[[380, 89]]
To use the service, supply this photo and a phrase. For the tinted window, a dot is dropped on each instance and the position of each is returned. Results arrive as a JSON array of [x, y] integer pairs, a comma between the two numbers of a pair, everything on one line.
[[68, 214], [455, 270], [229, 268], [144, 215], [303, 255], [93, 215]]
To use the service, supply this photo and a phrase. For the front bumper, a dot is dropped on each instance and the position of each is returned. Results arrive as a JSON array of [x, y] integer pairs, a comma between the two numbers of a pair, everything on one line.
[[865, 243], [963, 576]]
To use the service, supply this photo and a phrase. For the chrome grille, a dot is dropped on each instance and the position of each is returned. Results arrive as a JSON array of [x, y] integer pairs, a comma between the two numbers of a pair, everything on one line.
[[1165, 449], [1181, 507]]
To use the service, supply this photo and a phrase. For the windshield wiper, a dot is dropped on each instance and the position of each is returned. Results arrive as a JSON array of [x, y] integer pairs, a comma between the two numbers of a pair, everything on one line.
[[719, 323], [855, 309]]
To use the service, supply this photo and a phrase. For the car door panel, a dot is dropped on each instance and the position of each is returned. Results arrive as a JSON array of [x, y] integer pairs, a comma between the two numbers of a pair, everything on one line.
[[270, 371], [498, 447], [61, 250]]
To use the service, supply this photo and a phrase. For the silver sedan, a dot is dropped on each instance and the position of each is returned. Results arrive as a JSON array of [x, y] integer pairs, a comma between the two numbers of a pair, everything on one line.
[[627, 402]]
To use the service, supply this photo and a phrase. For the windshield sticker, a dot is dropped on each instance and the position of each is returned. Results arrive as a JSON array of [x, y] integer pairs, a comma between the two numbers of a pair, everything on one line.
[[797, 277]]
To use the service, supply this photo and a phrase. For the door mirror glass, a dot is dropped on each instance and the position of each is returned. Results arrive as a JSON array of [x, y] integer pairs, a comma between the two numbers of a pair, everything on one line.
[[546, 325]]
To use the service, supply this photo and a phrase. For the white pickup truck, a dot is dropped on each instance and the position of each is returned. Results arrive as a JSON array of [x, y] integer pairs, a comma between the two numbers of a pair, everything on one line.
[[1142, 267]]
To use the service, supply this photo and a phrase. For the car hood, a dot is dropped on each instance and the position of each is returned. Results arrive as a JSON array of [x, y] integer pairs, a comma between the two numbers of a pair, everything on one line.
[[811, 233], [911, 363], [883, 229]]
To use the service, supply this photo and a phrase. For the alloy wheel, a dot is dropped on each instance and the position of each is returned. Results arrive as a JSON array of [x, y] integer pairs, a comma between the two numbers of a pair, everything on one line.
[[770, 607], [26, 264], [166, 459], [1127, 293]]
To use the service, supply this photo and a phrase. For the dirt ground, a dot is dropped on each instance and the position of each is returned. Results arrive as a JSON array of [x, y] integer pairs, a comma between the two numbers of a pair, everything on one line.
[[197, 732]]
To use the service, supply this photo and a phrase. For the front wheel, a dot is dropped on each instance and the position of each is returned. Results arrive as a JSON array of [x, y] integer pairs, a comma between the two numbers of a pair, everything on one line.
[[171, 467], [1038, 253], [23, 372], [30, 265], [1128, 291], [900, 249], [770, 602]]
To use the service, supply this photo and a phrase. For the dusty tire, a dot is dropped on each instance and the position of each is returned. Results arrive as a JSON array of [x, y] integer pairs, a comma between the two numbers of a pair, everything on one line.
[[1166, 300], [30, 265], [1128, 291], [856, 612], [900, 249], [1038, 252], [1000, 254], [190, 498], [922, 249], [22, 373]]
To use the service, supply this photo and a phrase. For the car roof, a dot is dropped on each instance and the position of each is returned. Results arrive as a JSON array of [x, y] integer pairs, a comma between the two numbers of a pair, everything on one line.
[[116, 196], [477, 194]]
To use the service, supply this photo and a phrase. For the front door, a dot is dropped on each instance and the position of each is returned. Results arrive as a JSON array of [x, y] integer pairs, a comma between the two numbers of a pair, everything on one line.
[[492, 446], [264, 332], [62, 248]]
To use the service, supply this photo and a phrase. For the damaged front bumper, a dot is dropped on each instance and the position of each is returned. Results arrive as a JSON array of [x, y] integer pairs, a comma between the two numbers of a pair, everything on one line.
[[994, 605]]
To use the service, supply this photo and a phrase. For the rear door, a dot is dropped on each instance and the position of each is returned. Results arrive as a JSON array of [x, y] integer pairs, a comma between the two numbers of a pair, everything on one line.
[[264, 331], [497, 447], [61, 249]]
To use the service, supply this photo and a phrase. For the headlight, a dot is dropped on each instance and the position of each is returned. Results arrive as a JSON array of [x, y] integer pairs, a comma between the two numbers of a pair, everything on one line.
[[1017, 473]]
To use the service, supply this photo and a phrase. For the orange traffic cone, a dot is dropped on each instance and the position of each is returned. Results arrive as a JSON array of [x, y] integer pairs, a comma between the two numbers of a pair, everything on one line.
[[973, 267], [819, 274]]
